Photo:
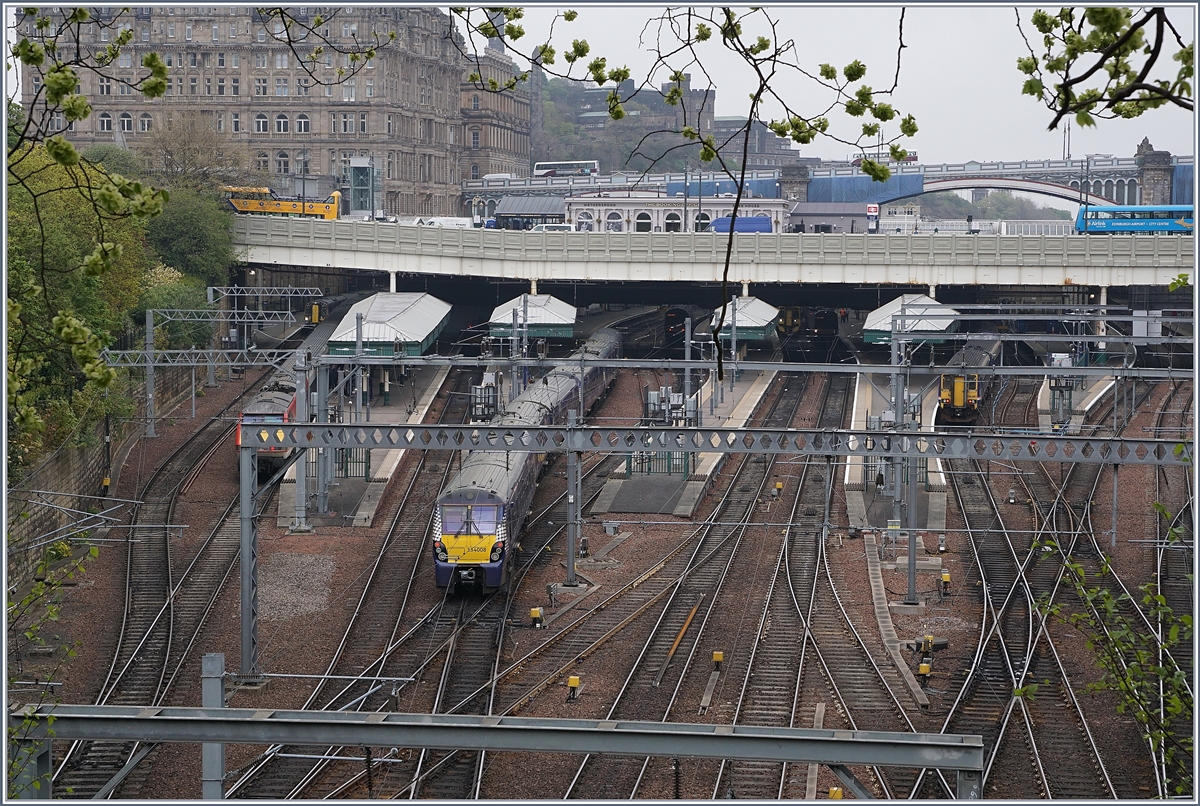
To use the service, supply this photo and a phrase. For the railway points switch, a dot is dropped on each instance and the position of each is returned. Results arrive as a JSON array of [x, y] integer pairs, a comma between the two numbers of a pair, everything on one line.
[[536, 615], [835, 793], [945, 583], [778, 490], [1012, 496], [573, 687], [718, 658], [941, 544]]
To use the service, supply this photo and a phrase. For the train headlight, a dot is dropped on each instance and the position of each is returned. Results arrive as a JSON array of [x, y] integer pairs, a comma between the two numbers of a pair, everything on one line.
[[439, 549], [497, 550]]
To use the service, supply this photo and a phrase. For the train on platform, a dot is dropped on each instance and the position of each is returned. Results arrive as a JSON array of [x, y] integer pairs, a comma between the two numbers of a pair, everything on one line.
[[813, 323], [962, 394], [480, 512], [275, 403]]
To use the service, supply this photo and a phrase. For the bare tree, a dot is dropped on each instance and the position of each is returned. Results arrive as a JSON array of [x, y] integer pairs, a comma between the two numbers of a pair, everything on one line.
[[188, 152]]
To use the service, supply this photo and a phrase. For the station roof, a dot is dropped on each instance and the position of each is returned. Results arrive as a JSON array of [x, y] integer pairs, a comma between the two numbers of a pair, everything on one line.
[[878, 324], [531, 206], [752, 312], [408, 317], [543, 310]]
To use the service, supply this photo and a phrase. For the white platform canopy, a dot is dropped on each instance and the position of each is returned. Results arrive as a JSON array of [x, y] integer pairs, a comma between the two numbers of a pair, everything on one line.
[[755, 318], [410, 319], [920, 312], [548, 316]]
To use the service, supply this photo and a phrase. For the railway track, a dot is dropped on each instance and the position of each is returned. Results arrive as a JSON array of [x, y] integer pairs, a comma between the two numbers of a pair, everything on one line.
[[652, 687], [787, 681], [164, 610], [358, 676]]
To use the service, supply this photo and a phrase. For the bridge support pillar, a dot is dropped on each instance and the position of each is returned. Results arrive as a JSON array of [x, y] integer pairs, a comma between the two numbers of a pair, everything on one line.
[[745, 288], [392, 281], [533, 285], [933, 292]]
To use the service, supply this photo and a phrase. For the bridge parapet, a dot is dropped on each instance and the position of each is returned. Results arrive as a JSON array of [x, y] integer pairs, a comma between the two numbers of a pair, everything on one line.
[[941, 259]]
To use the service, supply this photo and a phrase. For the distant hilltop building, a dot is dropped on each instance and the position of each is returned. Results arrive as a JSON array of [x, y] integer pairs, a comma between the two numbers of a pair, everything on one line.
[[409, 113]]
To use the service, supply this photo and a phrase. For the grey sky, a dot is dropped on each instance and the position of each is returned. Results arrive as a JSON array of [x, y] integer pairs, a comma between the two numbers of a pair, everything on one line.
[[958, 76]]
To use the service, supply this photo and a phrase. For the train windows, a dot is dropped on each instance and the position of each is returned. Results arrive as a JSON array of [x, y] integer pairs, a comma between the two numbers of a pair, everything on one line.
[[474, 520], [453, 519]]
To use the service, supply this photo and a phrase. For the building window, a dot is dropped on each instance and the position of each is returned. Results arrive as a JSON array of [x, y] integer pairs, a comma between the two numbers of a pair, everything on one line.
[[302, 125], [391, 158], [192, 59], [614, 222], [260, 86], [169, 59], [264, 161], [125, 59], [126, 122], [262, 34], [389, 124], [179, 84], [105, 86], [187, 32], [370, 89], [260, 60], [232, 29], [233, 87], [260, 124], [220, 60], [221, 86], [281, 162], [220, 123], [474, 171], [145, 34], [235, 122], [281, 86], [193, 85], [216, 32], [346, 156], [475, 139], [235, 60], [348, 90], [642, 224], [103, 34], [347, 123], [207, 85], [145, 123], [124, 89], [281, 125], [302, 86], [281, 61], [105, 122], [362, 123], [475, 103], [328, 90]]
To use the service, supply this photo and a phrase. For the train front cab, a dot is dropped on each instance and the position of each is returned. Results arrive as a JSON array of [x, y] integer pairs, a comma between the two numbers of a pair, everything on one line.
[[959, 393], [470, 545]]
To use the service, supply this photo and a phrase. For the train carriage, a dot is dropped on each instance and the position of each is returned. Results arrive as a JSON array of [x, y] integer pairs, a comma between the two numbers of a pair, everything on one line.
[[961, 395], [481, 511]]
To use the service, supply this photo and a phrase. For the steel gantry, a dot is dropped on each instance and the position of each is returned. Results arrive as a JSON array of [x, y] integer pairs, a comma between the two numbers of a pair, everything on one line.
[[212, 725]]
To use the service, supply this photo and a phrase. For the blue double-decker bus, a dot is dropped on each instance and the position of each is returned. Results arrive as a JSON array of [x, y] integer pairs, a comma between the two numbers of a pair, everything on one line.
[[1176, 218]]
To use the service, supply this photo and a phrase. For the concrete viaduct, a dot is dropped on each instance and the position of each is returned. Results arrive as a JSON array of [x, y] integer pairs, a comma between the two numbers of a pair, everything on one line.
[[698, 258]]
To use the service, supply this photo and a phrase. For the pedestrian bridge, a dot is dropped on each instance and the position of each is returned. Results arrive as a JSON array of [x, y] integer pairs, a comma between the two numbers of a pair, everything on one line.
[[885, 259]]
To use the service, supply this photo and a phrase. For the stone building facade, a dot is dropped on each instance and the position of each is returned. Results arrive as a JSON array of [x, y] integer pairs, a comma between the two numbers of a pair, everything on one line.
[[403, 110], [496, 125]]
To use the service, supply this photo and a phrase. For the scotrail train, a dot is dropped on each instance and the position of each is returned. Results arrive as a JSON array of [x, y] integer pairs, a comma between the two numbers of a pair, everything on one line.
[[480, 513]]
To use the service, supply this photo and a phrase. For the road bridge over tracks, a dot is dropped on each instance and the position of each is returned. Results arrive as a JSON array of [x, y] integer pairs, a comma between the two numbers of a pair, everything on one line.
[[763, 258]]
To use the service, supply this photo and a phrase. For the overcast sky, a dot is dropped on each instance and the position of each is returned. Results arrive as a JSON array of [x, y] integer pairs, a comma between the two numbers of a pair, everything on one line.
[[958, 76]]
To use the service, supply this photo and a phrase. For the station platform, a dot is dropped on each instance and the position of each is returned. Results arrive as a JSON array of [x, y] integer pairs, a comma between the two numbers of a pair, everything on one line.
[[677, 495], [354, 501]]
